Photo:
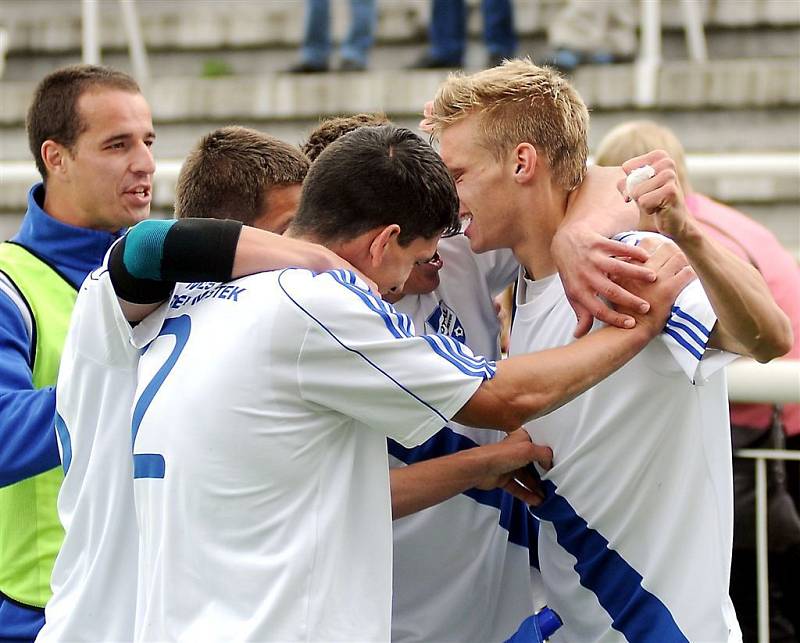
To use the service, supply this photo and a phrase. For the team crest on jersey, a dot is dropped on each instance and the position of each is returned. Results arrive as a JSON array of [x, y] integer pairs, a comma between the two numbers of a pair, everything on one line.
[[444, 321]]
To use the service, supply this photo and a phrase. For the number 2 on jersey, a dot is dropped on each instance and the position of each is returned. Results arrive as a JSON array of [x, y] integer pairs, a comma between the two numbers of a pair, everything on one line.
[[152, 465]]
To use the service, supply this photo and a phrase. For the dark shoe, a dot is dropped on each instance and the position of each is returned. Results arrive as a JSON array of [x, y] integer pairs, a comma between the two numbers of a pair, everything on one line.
[[351, 65], [426, 61], [307, 68]]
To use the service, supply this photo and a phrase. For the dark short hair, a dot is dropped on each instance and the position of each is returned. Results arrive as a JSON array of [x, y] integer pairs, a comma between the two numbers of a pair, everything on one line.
[[53, 114], [377, 176], [231, 170], [332, 128]]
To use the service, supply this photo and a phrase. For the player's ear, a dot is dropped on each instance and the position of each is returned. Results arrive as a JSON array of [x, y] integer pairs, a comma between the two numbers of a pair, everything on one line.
[[383, 239], [55, 157], [524, 162]]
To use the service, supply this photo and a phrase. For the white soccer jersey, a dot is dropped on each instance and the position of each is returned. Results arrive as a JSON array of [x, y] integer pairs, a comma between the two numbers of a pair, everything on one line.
[[462, 567], [262, 483], [94, 577], [636, 531]]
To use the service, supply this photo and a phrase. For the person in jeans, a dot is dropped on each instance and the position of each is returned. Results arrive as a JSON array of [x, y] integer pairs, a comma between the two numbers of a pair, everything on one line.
[[316, 48], [448, 33]]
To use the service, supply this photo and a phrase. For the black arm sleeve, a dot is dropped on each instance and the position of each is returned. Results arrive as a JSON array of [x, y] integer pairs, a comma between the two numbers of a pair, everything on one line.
[[145, 265]]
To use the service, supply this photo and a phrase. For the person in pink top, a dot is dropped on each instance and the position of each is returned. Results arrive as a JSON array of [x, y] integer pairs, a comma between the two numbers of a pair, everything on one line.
[[752, 425]]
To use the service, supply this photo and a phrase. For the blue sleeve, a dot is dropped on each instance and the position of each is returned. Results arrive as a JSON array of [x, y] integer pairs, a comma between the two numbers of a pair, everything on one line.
[[144, 248], [27, 438]]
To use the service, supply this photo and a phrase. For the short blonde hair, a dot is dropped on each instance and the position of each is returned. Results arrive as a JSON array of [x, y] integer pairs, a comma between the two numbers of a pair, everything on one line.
[[519, 102], [635, 138]]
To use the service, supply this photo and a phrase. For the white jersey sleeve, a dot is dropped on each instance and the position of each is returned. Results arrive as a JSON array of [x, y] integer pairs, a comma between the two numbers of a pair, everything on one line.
[[360, 357], [94, 577], [689, 326], [499, 268]]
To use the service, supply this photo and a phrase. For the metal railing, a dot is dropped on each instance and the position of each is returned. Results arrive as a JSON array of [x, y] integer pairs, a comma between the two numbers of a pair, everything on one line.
[[777, 383], [649, 60], [90, 39]]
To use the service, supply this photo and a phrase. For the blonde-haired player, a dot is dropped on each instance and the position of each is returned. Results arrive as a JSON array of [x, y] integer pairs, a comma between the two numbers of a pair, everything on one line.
[[639, 455]]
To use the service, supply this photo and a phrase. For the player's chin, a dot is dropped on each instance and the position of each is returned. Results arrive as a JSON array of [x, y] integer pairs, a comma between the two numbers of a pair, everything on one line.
[[137, 215], [477, 244]]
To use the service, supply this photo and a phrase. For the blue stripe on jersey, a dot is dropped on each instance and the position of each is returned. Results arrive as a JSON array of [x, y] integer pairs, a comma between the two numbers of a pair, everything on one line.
[[677, 310], [400, 325], [359, 353], [66, 442], [440, 346], [638, 614], [677, 337], [676, 325], [521, 525], [394, 321], [458, 347]]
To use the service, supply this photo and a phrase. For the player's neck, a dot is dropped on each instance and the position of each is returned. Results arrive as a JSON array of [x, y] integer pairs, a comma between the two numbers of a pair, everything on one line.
[[540, 223]]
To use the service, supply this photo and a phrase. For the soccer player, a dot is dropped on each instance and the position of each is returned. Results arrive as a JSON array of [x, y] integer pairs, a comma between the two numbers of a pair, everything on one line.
[[232, 171], [635, 530], [475, 536], [242, 174], [262, 408]]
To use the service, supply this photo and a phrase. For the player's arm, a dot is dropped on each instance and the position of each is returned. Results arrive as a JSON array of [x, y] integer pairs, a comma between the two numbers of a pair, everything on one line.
[[154, 255], [27, 440], [589, 263], [503, 465], [528, 386], [749, 322]]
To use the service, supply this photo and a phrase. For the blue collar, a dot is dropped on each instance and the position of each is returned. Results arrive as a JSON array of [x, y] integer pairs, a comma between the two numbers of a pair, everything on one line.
[[73, 251]]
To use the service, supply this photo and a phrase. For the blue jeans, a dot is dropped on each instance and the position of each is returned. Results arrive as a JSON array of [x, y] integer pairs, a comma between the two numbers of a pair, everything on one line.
[[448, 29], [317, 37]]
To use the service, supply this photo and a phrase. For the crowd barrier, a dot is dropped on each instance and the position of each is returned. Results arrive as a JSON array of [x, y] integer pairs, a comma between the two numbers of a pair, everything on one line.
[[777, 383]]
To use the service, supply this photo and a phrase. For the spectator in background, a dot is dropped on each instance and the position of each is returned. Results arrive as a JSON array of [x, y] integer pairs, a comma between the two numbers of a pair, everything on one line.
[[594, 32], [448, 33], [752, 425], [90, 133], [316, 47]]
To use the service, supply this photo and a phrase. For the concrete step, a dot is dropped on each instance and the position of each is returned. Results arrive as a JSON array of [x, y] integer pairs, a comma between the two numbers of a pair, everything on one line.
[[701, 131], [755, 179], [55, 25], [721, 84], [723, 44]]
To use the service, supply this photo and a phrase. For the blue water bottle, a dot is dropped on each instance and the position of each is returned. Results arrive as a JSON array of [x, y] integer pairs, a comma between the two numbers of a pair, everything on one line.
[[537, 628]]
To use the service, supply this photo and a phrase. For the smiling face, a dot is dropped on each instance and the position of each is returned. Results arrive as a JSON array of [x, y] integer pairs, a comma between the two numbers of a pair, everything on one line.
[[105, 180], [484, 184]]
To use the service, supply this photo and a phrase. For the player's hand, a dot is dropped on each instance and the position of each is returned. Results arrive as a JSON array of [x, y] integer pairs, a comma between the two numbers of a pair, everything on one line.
[[508, 467], [673, 274], [592, 266], [661, 196]]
